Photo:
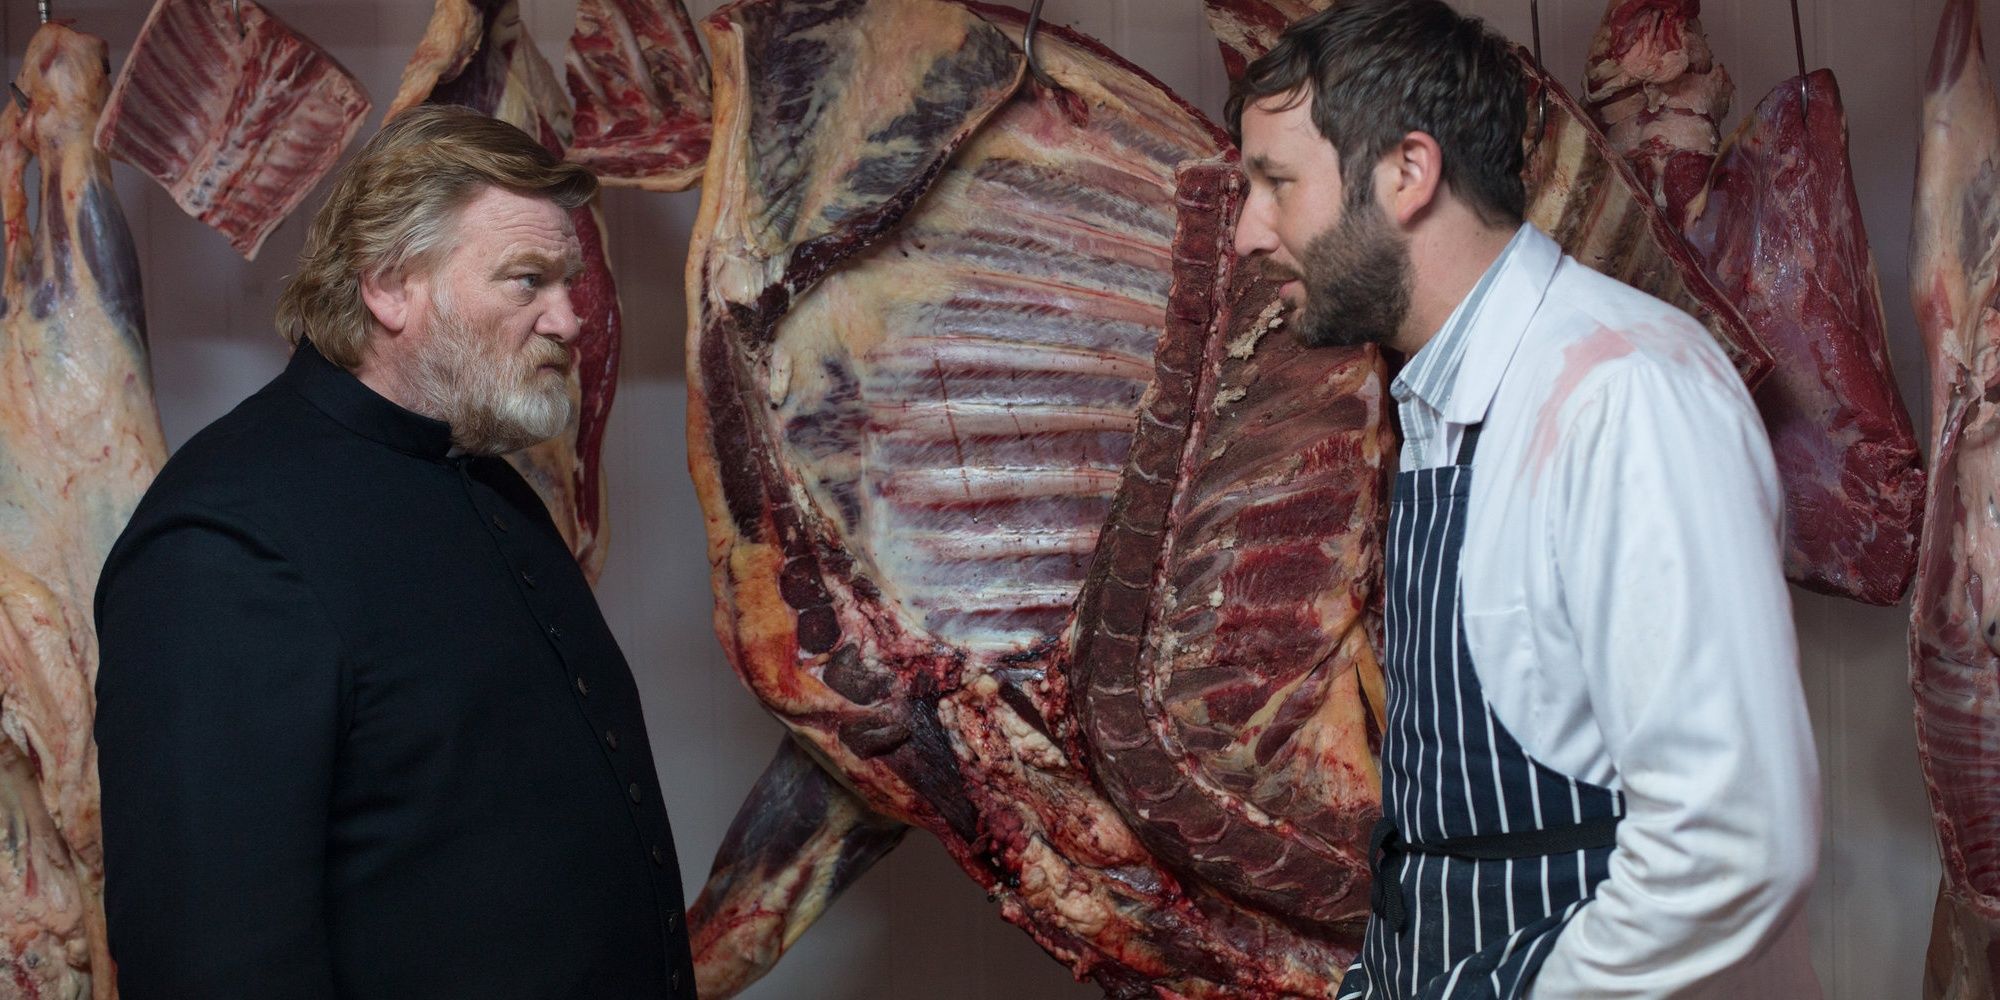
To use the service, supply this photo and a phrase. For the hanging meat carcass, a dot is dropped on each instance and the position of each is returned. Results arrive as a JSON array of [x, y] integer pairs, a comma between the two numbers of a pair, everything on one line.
[[1783, 237], [1585, 196], [1954, 652], [640, 83], [479, 55], [1223, 641], [1248, 28], [233, 112], [1580, 191], [1654, 87], [79, 441], [925, 309]]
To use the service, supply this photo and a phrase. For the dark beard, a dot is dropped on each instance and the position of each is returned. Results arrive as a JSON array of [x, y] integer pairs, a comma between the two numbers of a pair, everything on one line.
[[1357, 280]]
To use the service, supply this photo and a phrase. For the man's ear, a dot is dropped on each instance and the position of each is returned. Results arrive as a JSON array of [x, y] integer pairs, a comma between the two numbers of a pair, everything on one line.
[[1411, 174], [391, 298]]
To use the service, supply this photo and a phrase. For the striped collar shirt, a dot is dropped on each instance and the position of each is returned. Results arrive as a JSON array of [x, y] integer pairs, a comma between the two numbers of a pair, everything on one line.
[[1624, 604], [1423, 391]]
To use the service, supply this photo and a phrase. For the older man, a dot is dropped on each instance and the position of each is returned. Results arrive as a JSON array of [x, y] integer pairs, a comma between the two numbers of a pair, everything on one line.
[[362, 730], [1598, 775]]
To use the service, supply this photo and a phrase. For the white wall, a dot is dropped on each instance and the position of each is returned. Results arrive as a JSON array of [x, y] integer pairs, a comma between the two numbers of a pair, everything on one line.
[[916, 927]]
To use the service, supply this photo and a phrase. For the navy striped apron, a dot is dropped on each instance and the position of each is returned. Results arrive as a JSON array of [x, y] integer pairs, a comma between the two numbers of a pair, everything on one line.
[[1483, 853]]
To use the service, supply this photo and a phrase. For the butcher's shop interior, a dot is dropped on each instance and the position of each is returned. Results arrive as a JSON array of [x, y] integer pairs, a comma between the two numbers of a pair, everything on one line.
[[1001, 577]]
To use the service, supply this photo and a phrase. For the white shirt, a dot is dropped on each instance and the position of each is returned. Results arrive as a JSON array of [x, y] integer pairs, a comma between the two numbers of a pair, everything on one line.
[[1626, 609]]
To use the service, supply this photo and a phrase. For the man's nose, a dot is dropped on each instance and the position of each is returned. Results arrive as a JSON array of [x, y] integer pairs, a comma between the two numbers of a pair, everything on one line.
[[560, 319], [1254, 234]]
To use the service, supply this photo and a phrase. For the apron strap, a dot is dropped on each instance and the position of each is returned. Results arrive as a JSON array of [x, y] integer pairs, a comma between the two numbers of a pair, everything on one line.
[[1469, 443], [1386, 849]]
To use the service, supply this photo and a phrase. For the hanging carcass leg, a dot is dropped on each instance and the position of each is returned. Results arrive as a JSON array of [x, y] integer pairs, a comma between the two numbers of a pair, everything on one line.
[[1955, 620], [1657, 91], [798, 841], [79, 442]]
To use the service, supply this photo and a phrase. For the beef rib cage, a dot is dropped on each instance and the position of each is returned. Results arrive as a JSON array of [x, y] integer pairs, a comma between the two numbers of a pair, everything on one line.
[[926, 303]]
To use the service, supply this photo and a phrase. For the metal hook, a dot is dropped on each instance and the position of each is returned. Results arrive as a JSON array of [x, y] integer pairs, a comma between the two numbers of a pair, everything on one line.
[[1542, 90], [1028, 47], [1799, 50], [42, 8], [1535, 26]]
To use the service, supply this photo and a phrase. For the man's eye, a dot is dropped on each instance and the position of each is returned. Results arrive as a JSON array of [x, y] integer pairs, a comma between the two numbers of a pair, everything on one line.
[[529, 281]]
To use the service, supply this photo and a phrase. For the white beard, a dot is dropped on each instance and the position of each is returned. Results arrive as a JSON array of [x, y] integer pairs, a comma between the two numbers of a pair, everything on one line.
[[495, 403]]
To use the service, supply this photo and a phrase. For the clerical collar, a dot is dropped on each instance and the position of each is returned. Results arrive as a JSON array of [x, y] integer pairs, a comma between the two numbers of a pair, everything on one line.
[[335, 391]]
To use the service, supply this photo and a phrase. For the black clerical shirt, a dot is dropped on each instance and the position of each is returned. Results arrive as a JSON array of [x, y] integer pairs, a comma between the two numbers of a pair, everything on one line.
[[362, 730]]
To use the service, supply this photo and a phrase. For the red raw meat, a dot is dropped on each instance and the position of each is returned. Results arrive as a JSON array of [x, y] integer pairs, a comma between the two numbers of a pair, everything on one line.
[[1783, 237], [238, 120], [925, 310], [1656, 90], [1955, 618], [640, 83], [1222, 646]]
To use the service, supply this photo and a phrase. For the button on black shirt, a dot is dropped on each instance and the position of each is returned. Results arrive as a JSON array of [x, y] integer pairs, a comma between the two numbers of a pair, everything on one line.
[[343, 740]]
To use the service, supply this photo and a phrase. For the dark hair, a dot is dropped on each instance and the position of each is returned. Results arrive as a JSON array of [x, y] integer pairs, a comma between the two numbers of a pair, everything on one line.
[[395, 207], [1377, 70]]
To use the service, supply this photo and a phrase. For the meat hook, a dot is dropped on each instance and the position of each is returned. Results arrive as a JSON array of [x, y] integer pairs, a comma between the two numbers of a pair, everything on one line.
[[1028, 48], [1535, 26], [42, 8], [1799, 50], [1541, 95]]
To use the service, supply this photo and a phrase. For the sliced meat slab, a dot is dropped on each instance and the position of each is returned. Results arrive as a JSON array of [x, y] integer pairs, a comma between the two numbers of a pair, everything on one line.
[[79, 442], [480, 56], [1955, 617], [1223, 636], [1653, 85], [233, 112], [640, 82], [1783, 238], [925, 304]]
